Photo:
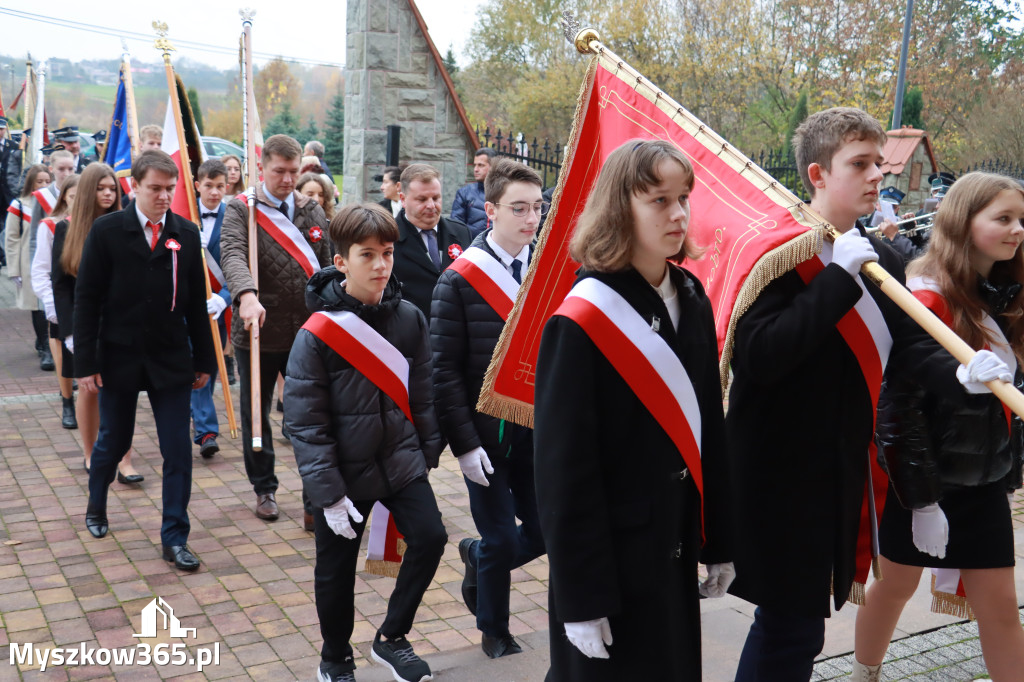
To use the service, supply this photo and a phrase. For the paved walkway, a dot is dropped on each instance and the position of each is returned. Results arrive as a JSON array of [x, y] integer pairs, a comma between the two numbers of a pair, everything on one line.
[[252, 598]]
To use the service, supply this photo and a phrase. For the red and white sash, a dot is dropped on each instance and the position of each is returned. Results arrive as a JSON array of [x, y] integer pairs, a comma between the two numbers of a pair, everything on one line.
[[47, 198], [489, 278], [18, 209], [644, 360], [51, 225], [284, 232], [865, 332], [375, 358]]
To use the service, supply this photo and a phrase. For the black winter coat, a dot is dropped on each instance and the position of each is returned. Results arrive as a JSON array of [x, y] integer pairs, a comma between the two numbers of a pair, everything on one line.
[[930, 446], [800, 423], [349, 437], [464, 330], [621, 526], [124, 327]]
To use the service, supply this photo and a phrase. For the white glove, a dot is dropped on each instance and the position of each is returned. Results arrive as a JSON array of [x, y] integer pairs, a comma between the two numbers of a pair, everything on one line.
[[337, 516], [69, 343], [250, 195], [931, 530], [984, 366], [720, 576], [851, 251], [473, 464], [50, 312], [17, 281], [215, 305], [590, 637]]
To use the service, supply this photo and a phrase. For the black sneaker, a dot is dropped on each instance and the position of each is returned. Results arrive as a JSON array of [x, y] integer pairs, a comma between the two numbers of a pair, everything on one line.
[[397, 654], [335, 672], [496, 647], [208, 445], [469, 585]]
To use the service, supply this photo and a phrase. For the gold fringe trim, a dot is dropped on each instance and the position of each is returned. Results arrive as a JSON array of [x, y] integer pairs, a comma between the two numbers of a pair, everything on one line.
[[950, 604], [387, 569], [770, 266], [876, 568], [491, 402], [857, 594], [401, 546]]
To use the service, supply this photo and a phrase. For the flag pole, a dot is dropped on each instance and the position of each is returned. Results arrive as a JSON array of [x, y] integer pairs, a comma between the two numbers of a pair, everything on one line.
[[163, 44], [587, 41], [250, 163], [38, 132], [133, 119], [26, 119]]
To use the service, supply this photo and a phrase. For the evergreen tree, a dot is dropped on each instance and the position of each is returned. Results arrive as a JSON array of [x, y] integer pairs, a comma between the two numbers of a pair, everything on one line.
[[197, 112], [796, 117], [285, 123], [334, 134], [310, 132], [449, 61], [913, 103]]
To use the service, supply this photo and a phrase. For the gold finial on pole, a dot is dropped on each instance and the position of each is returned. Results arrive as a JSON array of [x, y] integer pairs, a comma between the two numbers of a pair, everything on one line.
[[580, 38], [162, 43]]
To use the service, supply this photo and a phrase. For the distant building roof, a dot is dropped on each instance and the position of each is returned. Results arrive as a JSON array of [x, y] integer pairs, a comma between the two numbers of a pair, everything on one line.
[[900, 146]]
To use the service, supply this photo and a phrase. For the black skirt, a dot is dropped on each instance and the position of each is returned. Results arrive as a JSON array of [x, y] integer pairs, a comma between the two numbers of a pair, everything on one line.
[[980, 530]]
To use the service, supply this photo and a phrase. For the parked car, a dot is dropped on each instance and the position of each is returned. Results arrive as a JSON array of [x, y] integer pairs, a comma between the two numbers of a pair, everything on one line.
[[218, 147]]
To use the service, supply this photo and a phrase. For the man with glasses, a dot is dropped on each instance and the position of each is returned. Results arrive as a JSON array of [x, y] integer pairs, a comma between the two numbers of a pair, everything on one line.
[[471, 302], [427, 243]]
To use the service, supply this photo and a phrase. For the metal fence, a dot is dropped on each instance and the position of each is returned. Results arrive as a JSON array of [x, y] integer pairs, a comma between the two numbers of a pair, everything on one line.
[[1014, 170], [781, 165], [543, 158]]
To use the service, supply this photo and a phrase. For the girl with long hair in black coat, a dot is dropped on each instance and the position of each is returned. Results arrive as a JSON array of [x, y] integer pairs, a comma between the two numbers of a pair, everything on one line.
[[953, 466], [629, 433]]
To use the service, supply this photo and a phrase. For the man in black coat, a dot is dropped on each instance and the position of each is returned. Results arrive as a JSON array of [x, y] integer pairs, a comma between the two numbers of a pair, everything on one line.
[[427, 243], [141, 325]]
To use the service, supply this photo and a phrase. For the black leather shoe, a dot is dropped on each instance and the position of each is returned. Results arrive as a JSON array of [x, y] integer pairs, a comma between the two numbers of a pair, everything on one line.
[[131, 478], [46, 361], [96, 522], [208, 446], [181, 557], [67, 418], [469, 586], [496, 647]]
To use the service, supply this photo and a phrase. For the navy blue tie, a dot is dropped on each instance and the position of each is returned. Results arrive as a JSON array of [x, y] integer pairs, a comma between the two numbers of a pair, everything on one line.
[[517, 270], [283, 208], [435, 257]]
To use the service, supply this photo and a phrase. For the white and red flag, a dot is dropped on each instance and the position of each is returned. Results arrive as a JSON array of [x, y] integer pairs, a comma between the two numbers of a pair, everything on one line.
[[194, 155]]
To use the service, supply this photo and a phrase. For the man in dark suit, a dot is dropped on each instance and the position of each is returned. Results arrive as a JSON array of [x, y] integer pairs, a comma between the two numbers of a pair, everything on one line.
[[141, 325], [68, 136], [427, 243]]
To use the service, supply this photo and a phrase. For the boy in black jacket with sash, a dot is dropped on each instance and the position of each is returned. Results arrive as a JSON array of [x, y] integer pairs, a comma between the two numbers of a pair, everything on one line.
[[359, 407], [471, 303], [807, 364]]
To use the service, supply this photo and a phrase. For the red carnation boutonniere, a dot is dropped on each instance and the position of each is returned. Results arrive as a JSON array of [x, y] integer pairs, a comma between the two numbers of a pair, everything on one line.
[[454, 251], [315, 234], [173, 247]]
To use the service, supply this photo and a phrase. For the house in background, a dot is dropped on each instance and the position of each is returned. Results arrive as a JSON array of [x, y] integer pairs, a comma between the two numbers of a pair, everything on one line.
[[909, 160]]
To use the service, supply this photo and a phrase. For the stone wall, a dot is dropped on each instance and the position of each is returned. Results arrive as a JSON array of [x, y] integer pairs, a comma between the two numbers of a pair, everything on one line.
[[391, 78]]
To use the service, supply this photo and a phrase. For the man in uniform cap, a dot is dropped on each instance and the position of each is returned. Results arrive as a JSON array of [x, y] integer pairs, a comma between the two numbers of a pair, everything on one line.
[[68, 136], [10, 168]]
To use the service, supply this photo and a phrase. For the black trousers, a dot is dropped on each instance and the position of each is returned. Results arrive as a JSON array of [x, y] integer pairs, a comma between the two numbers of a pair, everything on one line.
[[418, 519], [259, 465], [117, 426]]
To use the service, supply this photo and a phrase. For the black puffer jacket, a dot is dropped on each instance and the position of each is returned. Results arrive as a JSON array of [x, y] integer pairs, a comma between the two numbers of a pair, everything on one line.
[[464, 330], [349, 437], [929, 446]]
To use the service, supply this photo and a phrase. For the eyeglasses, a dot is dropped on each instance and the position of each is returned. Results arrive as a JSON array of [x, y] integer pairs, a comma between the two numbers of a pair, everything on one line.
[[521, 208]]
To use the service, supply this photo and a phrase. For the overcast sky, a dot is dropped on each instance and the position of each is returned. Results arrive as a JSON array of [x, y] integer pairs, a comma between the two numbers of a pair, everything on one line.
[[314, 29]]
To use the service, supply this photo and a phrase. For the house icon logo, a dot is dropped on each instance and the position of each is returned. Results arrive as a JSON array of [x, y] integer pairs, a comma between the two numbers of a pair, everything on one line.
[[159, 614]]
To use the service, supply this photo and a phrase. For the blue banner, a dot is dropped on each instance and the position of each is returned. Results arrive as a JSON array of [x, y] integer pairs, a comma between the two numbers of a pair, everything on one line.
[[119, 145]]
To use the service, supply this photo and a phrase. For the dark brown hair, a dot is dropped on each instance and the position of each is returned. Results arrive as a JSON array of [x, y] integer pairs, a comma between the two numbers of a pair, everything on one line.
[[30, 179], [503, 173], [948, 261], [154, 159], [357, 223], [281, 146], [238, 187], [211, 168], [326, 187], [85, 211], [61, 207], [603, 239], [824, 133]]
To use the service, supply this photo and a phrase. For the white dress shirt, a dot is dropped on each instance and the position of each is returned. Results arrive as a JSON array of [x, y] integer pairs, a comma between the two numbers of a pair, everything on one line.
[[146, 232], [668, 293], [506, 258], [275, 202]]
